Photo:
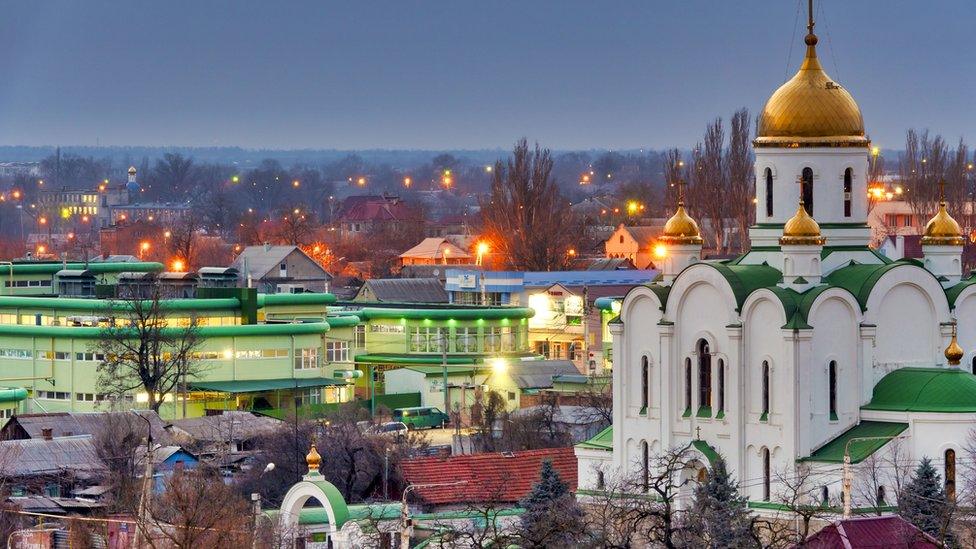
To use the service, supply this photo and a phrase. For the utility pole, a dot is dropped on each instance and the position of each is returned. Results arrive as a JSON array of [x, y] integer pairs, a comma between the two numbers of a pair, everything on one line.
[[144, 497], [586, 331], [406, 526], [447, 395], [848, 478]]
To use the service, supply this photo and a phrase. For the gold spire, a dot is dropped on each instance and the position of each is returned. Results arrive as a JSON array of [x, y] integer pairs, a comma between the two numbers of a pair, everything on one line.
[[132, 170], [313, 459], [811, 109], [802, 229], [681, 228], [954, 352], [942, 230]]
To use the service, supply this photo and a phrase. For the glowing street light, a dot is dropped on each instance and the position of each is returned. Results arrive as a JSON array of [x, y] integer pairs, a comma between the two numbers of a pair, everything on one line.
[[41, 248], [481, 249], [660, 251], [167, 234], [178, 265], [498, 366], [361, 181], [407, 182], [295, 183], [235, 179]]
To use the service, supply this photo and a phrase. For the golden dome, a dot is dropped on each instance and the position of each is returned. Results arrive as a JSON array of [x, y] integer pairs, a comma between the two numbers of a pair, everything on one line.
[[801, 229], [954, 352], [681, 228], [132, 170], [942, 230], [313, 459], [811, 110]]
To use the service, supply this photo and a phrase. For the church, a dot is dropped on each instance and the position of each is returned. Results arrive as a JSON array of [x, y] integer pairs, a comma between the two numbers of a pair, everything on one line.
[[811, 347]]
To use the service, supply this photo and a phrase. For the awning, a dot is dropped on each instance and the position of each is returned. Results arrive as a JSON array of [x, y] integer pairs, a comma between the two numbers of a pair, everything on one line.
[[872, 434], [413, 359], [261, 385]]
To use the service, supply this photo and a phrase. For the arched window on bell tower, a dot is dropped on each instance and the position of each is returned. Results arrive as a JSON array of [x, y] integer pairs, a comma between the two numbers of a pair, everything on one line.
[[848, 191], [768, 176], [806, 188]]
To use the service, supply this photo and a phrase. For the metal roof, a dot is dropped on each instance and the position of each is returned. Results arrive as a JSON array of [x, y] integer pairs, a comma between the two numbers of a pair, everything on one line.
[[259, 385], [66, 424], [407, 290], [588, 278], [229, 426], [262, 261], [39, 456]]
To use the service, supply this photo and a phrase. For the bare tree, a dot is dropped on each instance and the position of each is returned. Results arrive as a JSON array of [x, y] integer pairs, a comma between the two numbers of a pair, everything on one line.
[[295, 226], [116, 442], [144, 351], [525, 216], [739, 175], [198, 509]]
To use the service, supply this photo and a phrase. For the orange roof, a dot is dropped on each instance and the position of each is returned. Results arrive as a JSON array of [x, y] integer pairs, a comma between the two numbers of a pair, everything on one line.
[[434, 248]]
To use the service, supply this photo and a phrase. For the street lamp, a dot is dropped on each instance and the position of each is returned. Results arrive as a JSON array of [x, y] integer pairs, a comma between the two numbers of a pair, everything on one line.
[[405, 526], [848, 478]]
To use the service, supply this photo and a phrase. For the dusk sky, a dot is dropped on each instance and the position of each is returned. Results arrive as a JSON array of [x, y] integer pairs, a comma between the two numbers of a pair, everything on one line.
[[461, 75]]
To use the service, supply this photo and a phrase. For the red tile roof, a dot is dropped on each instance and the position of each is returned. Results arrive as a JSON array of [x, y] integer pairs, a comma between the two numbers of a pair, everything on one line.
[[373, 208], [499, 477], [871, 533]]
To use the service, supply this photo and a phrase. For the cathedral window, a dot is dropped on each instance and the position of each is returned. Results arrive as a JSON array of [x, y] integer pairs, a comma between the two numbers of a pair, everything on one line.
[[645, 374], [881, 497], [704, 379], [767, 477], [769, 192], [832, 388], [806, 189], [721, 389], [687, 387], [824, 496], [645, 466], [601, 482], [950, 474], [765, 392], [848, 187]]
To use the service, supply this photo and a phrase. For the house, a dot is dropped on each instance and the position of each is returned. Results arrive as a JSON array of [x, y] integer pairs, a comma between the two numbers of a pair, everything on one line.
[[66, 424], [515, 378], [462, 382], [228, 433], [49, 467], [581, 422], [435, 251], [402, 290], [367, 213], [280, 269], [634, 243], [871, 533], [167, 460], [496, 477]]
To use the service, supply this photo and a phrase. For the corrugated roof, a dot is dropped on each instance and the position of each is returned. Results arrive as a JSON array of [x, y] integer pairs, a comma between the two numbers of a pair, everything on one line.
[[259, 385], [368, 208], [601, 441], [871, 533], [925, 390], [833, 451], [261, 260], [39, 457], [588, 278], [231, 425], [538, 374], [434, 248], [64, 424], [500, 477], [407, 290]]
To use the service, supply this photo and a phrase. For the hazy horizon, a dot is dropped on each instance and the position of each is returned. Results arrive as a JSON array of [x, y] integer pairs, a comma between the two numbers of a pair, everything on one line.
[[571, 75]]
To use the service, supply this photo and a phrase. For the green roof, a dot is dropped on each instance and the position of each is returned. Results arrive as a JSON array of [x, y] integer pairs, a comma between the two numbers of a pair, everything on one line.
[[455, 313], [92, 305], [95, 268], [953, 292], [745, 279], [602, 441], [433, 371], [260, 385], [860, 279], [204, 331], [949, 390], [412, 359], [878, 432], [710, 454], [606, 303], [266, 300]]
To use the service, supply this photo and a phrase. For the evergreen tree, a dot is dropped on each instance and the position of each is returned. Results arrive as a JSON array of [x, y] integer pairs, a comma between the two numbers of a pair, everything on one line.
[[552, 518], [719, 517], [923, 502]]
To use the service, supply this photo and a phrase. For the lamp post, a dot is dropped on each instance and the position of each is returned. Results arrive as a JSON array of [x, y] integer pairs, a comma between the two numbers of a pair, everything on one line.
[[405, 526], [256, 506]]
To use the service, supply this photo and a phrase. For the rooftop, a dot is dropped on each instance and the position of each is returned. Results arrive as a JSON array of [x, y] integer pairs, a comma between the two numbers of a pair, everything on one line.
[[948, 390]]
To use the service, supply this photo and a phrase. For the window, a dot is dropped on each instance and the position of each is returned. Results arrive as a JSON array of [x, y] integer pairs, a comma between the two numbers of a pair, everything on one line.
[[306, 358], [601, 482], [359, 336], [832, 383], [704, 378], [881, 497], [90, 357], [769, 192], [54, 395], [386, 328], [7, 413], [493, 338], [645, 467], [765, 391], [308, 396], [466, 340], [950, 474], [806, 189], [621, 239], [337, 351], [644, 382], [26, 354], [721, 388], [507, 341], [824, 496], [848, 184], [766, 474], [426, 339], [687, 386], [54, 355]]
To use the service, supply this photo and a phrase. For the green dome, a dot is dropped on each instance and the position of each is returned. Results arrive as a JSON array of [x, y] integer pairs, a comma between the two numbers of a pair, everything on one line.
[[925, 390]]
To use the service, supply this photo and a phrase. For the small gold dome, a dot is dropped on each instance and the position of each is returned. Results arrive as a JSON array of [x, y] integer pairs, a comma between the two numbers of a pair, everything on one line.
[[954, 352], [811, 110], [681, 228], [313, 459], [942, 230], [132, 170], [801, 229]]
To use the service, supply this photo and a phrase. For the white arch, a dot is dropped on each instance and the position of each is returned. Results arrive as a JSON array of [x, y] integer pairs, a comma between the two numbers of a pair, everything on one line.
[[314, 486]]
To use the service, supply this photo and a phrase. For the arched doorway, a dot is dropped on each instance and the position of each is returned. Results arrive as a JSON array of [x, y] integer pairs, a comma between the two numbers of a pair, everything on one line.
[[693, 473], [314, 486]]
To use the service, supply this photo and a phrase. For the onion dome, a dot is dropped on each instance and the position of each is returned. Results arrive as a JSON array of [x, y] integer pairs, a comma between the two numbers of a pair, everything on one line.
[[802, 229], [132, 170], [811, 109], [314, 460], [942, 230], [954, 352], [681, 228]]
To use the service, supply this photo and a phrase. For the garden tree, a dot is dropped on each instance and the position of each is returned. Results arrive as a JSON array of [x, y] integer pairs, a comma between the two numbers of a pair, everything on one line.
[[739, 175], [552, 517], [184, 236], [486, 528], [800, 501], [923, 502], [144, 351], [286, 447], [172, 176], [294, 225], [197, 509], [880, 477], [71, 171], [118, 438], [484, 413], [719, 517], [531, 430], [674, 174], [925, 162], [525, 217]]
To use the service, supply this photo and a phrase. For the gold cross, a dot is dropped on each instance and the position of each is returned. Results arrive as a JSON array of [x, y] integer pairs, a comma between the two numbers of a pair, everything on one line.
[[698, 433], [810, 16], [942, 190]]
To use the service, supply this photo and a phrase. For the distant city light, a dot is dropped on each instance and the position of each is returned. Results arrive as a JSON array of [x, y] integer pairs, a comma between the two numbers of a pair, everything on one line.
[[41, 248], [236, 179], [488, 169], [144, 246], [406, 182], [295, 183], [361, 181], [167, 234]]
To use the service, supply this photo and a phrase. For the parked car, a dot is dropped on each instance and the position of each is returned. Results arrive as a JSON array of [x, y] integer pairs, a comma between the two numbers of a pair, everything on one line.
[[395, 429], [421, 417]]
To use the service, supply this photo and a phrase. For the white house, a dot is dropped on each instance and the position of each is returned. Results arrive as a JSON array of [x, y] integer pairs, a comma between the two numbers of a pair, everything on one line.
[[810, 344]]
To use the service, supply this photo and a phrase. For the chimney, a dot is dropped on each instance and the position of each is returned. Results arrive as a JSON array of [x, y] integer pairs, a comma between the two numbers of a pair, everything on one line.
[[47, 433], [267, 246]]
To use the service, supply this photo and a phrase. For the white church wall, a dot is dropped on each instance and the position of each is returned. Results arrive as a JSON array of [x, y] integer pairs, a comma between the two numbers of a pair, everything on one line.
[[965, 313], [834, 316]]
